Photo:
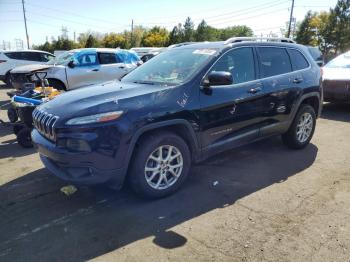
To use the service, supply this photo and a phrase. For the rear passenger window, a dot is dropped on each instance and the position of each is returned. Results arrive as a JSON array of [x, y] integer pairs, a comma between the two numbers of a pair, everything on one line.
[[274, 61], [107, 58], [31, 56], [298, 60], [239, 62]]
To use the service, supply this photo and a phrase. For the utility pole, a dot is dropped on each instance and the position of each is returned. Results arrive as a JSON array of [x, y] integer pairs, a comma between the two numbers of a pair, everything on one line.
[[25, 23], [290, 19], [132, 32]]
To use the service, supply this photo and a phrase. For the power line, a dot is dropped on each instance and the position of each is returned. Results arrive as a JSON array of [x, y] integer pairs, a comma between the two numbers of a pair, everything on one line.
[[71, 13], [249, 17], [237, 13]]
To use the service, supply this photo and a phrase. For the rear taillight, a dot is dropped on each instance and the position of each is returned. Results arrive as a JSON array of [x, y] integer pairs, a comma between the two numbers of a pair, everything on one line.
[[2, 61]]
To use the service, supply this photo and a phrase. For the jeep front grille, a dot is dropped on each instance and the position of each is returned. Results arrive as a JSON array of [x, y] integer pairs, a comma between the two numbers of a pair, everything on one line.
[[45, 123]]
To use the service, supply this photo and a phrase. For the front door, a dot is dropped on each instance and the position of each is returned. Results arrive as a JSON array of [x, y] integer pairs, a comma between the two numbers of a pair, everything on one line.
[[231, 114], [86, 71]]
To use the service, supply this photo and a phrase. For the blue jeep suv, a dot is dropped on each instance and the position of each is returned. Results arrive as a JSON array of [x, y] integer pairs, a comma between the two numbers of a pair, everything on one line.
[[183, 106]]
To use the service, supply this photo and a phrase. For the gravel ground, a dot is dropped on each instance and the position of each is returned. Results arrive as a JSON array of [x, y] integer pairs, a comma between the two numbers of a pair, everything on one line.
[[262, 202]]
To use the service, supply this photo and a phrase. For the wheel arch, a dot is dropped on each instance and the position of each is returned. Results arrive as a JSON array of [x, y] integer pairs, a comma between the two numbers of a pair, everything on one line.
[[59, 81], [180, 127]]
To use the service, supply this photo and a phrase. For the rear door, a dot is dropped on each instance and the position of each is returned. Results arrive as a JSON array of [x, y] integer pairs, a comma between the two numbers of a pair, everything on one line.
[[111, 66], [86, 71], [281, 86], [231, 114]]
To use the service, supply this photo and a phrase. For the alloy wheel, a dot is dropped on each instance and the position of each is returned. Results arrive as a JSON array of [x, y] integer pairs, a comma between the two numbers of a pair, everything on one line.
[[163, 167]]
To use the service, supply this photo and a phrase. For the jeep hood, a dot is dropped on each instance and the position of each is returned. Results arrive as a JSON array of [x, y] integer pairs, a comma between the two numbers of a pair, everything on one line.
[[106, 97], [30, 68]]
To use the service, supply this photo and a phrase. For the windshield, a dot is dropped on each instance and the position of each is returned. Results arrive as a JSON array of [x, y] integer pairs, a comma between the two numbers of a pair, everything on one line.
[[173, 67], [342, 61], [62, 59]]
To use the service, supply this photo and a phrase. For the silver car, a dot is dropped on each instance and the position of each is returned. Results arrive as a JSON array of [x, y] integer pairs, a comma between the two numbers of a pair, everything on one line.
[[80, 67], [336, 79]]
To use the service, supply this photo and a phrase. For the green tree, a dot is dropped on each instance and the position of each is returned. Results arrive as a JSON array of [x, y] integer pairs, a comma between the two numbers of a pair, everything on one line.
[[176, 35], [188, 30], [306, 33], [156, 37], [90, 41], [340, 21], [114, 40], [205, 32], [137, 36], [235, 31]]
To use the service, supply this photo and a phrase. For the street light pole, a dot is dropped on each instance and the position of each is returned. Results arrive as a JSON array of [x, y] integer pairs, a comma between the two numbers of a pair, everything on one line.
[[25, 23]]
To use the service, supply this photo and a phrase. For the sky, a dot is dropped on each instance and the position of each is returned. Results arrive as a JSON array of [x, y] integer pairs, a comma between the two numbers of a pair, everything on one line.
[[45, 18]]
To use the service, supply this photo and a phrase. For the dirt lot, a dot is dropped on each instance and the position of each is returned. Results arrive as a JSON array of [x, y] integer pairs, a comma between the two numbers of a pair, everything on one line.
[[269, 204]]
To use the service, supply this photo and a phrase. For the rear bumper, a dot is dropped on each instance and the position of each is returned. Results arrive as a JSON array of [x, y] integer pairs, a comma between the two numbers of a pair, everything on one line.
[[74, 167], [336, 91]]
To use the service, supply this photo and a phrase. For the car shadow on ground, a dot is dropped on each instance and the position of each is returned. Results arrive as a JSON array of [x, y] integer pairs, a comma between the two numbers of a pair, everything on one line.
[[336, 112], [38, 222]]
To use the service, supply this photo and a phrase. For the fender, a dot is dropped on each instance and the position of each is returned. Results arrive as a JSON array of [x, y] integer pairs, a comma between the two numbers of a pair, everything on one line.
[[155, 126], [302, 98], [299, 102]]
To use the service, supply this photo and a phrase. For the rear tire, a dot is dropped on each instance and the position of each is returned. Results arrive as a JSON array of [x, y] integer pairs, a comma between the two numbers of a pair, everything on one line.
[[302, 129], [23, 137], [160, 165]]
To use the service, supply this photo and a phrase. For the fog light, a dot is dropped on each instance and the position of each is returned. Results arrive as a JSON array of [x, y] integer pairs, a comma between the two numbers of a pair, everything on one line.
[[78, 145]]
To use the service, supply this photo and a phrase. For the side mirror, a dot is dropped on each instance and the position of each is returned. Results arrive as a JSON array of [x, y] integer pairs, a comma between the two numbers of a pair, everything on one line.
[[71, 64], [219, 78]]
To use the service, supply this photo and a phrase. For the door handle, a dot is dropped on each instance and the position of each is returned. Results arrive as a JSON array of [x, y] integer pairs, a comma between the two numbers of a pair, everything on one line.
[[254, 90], [95, 70], [122, 67], [297, 80]]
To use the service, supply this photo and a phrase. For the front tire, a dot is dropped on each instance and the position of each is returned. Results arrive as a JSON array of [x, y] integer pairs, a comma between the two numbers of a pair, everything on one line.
[[160, 165], [302, 129]]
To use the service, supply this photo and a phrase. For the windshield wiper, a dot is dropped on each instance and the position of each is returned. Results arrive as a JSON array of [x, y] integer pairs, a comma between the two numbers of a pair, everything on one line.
[[144, 82]]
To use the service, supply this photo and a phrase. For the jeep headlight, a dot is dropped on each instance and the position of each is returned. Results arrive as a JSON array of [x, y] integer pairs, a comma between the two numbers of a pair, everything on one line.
[[98, 118]]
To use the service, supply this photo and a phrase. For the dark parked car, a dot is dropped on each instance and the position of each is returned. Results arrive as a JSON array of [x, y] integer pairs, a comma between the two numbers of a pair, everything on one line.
[[182, 106], [316, 54]]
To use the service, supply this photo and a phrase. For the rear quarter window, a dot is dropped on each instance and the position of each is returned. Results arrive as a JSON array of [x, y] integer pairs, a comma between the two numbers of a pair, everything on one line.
[[274, 61], [14, 55], [298, 60]]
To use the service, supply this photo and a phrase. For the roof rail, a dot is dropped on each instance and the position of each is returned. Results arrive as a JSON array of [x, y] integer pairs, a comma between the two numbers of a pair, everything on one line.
[[266, 39]]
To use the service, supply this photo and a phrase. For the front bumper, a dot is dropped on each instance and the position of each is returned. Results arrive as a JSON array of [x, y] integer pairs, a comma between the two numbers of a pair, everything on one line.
[[19, 79], [78, 168]]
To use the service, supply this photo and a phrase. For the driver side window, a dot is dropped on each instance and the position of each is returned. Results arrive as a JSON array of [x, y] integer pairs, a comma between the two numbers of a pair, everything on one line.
[[86, 60], [239, 62]]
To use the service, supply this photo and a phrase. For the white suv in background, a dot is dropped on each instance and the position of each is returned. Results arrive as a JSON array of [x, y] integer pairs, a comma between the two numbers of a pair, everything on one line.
[[80, 67], [12, 59]]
